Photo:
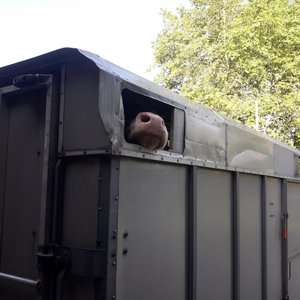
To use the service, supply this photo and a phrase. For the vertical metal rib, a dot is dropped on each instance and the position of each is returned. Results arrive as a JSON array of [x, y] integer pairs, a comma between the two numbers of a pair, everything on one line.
[[235, 237], [192, 234]]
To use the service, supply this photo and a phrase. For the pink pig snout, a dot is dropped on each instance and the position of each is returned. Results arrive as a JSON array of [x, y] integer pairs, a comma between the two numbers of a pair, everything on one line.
[[148, 130]]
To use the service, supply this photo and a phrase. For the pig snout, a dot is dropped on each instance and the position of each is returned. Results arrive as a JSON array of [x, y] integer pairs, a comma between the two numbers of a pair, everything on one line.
[[148, 130]]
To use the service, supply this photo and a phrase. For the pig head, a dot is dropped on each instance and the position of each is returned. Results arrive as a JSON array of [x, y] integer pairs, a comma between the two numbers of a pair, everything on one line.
[[148, 130]]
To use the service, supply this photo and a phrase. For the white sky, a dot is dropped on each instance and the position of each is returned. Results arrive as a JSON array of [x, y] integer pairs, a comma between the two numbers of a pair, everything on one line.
[[120, 31]]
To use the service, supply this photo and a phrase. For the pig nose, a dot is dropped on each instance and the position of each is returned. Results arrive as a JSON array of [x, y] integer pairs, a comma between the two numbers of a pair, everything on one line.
[[148, 130]]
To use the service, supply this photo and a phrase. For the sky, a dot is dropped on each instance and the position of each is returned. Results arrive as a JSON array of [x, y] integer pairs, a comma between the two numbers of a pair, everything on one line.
[[120, 31]]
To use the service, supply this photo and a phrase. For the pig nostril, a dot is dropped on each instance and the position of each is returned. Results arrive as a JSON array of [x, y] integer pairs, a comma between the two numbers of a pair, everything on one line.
[[145, 118]]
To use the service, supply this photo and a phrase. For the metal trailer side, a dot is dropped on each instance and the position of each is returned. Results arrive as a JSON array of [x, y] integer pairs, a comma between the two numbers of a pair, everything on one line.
[[86, 215]]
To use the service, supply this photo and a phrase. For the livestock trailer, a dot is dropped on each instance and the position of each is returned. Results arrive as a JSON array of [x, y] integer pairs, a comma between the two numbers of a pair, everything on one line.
[[85, 214]]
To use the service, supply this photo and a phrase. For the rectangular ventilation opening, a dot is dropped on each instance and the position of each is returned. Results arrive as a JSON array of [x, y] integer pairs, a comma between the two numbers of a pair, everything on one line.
[[135, 103]]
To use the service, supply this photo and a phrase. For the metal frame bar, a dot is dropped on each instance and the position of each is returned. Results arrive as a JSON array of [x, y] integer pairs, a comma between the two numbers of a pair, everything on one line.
[[177, 130], [192, 234], [58, 202], [45, 168], [264, 237], [61, 108], [284, 243], [3, 171], [107, 232], [235, 237]]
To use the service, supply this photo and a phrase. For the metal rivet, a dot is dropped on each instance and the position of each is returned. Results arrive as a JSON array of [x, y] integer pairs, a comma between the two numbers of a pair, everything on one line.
[[125, 251]]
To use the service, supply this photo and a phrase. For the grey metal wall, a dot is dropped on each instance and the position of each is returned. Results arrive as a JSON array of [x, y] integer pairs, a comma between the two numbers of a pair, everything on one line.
[[293, 203], [79, 219], [82, 128], [20, 189], [80, 202], [152, 231], [214, 234], [273, 238], [238, 234], [250, 231]]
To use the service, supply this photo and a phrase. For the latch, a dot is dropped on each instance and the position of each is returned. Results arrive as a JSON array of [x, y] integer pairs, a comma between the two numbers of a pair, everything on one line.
[[76, 261], [51, 258]]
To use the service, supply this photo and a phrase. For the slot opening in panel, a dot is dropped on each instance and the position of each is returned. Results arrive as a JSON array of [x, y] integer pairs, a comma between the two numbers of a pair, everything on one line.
[[173, 118]]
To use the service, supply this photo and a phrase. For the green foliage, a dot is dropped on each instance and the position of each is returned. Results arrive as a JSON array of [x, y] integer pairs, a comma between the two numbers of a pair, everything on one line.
[[227, 54]]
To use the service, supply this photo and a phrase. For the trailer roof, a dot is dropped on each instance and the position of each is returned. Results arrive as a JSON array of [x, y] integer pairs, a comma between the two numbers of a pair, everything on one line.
[[64, 54]]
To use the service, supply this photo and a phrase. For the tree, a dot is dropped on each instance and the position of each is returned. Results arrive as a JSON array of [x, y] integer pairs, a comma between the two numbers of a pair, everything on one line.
[[228, 54]]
